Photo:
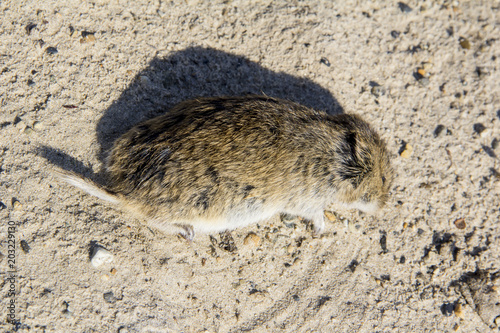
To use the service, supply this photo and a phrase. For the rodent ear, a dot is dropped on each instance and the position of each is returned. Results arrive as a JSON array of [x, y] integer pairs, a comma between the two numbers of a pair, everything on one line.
[[354, 163]]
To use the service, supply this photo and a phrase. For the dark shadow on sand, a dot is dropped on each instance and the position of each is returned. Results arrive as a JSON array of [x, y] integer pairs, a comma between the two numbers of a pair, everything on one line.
[[190, 73]]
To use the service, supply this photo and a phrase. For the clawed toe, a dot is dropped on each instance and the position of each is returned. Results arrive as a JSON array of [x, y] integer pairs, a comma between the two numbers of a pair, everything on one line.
[[318, 227]]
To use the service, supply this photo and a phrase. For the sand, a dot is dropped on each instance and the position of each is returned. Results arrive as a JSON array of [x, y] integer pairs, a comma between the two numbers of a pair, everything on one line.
[[74, 75]]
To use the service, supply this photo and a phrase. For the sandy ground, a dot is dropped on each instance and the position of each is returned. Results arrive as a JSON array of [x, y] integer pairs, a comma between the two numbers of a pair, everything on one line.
[[74, 75]]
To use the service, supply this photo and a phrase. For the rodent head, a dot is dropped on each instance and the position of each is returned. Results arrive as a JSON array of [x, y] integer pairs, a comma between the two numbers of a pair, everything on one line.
[[364, 171]]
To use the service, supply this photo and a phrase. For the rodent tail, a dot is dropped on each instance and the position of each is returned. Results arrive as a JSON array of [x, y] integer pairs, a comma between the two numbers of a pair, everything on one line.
[[87, 185]]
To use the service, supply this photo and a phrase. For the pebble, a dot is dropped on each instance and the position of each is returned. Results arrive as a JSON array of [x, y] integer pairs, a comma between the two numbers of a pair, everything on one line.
[[101, 256], [464, 43], [460, 223], [145, 81], [458, 311], [383, 242], [421, 76], [404, 7], [424, 81], [51, 50], [481, 72], [227, 242], [497, 321], [88, 38], [414, 49], [378, 91], [479, 128], [290, 249], [352, 266], [325, 61], [330, 216], [252, 239], [447, 309], [417, 75], [25, 246], [395, 34], [38, 125], [489, 151], [494, 143], [113, 271], [297, 261], [439, 128], [109, 297], [485, 133], [406, 151], [16, 204]]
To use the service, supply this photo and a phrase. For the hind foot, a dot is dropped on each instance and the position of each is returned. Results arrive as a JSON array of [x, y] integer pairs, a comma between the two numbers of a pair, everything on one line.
[[186, 232]]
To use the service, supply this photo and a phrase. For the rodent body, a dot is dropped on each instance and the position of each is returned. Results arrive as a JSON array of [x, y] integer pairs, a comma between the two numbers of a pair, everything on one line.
[[213, 164]]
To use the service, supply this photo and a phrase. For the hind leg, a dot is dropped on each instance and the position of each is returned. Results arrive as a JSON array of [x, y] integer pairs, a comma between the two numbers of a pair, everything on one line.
[[317, 217], [185, 231]]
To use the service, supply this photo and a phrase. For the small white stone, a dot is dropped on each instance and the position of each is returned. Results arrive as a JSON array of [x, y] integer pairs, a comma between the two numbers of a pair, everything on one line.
[[486, 133], [38, 125], [145, 81], [101, 256]]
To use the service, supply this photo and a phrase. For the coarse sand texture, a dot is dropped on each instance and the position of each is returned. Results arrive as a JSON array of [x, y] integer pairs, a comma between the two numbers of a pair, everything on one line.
[[75, 75]]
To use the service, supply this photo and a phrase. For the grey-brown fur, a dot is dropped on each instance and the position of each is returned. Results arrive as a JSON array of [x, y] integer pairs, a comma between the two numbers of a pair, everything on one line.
[[212, 164]]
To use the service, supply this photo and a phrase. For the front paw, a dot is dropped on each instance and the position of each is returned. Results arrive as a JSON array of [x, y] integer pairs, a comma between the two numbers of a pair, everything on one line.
[[318, 226]]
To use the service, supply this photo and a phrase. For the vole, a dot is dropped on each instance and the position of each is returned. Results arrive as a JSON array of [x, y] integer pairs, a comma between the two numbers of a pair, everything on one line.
[[215, 164]]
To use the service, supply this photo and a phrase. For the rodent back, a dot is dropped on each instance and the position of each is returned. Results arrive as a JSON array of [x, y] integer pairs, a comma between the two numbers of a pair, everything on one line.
[[234, 133], [241, 147]]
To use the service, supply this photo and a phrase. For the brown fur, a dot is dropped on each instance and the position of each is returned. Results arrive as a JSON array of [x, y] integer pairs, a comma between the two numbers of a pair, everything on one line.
[[219, 163]]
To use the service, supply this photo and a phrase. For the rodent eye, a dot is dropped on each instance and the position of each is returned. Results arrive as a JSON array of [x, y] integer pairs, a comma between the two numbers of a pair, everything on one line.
[[383, 179]]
